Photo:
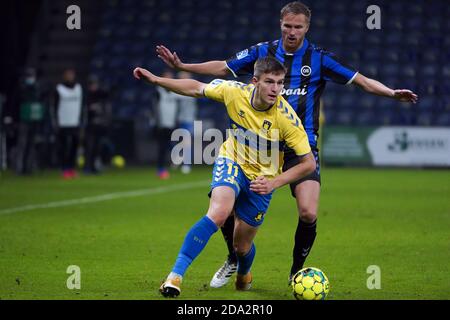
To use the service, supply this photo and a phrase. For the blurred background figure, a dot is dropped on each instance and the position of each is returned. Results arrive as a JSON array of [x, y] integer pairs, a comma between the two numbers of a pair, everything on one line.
[[166, 118], [31, 120], [187, 112], [67, 105], [98, 118], [3, 155]]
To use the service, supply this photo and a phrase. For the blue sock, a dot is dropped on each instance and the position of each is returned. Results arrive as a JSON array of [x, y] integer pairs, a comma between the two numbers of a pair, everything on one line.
[[245, 262], [194, 242]]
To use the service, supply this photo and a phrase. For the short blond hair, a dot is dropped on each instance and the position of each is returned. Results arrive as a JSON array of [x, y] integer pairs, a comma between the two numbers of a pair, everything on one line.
[[268, 65], [295, 7]]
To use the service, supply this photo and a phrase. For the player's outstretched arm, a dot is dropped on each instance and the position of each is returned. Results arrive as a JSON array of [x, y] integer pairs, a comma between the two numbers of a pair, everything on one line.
[[262, 185], [215, 68], [376, 87], [187, 87]]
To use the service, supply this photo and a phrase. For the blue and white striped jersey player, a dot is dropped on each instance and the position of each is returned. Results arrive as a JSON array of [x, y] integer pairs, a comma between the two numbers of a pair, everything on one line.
[[308, 69], [248, 168]]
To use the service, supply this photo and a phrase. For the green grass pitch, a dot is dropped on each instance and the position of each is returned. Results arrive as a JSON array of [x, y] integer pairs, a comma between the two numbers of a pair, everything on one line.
[[126, 244]]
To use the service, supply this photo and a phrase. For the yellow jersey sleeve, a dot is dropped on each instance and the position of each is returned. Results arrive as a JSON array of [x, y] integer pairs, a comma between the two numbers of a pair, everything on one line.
[[216, 90], [293, 133]]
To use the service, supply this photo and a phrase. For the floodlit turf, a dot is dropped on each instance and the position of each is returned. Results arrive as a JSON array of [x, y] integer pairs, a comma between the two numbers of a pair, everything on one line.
[[125, 245]]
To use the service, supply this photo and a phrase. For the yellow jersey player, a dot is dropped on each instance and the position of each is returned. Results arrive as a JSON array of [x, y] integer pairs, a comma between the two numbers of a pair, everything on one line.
[[248, 167]]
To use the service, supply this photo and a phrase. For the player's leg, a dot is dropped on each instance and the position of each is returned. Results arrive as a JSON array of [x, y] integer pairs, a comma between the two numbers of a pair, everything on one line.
[[250, 210], [224, 273], [307, 199], [228, 234], [306, 192], [222, 276], [221, 204], [225, 189], [245, 250]]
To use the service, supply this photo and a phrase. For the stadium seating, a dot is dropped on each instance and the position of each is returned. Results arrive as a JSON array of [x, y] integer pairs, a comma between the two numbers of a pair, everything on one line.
[[411, 50]]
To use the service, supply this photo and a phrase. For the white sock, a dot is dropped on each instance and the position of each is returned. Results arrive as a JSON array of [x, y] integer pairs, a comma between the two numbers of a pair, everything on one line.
[[174, 275]]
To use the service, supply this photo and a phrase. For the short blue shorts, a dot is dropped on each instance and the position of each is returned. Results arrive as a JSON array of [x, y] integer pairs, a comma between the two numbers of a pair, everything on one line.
[[250, 206]]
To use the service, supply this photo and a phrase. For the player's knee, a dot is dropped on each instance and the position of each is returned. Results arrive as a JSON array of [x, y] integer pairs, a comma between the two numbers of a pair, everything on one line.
[[308, 214], [218, 217], [241, 249]]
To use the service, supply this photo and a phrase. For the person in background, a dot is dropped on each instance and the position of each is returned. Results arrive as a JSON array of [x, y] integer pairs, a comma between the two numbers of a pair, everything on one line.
[[67, 108], [166, 117], [31, 115], [98, 117], [186, 117]]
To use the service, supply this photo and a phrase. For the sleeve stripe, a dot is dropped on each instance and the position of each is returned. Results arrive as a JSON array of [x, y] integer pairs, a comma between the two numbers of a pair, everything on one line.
[[231, 70], [353, 78]]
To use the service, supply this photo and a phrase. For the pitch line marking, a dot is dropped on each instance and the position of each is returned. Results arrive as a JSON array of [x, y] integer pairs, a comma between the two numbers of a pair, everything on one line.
[[104, 197]]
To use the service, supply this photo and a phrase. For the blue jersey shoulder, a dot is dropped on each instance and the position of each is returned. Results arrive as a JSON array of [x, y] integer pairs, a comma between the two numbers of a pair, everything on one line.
[[322, 50]]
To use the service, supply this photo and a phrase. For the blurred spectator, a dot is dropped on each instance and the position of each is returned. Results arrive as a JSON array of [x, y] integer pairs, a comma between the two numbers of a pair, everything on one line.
[[2, 134], [68, 104], [166, 117], [98, 118], [31, 121], [186, 116]]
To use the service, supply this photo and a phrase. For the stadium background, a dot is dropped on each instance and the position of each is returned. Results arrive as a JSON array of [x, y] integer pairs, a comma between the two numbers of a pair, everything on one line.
[[411, 51]]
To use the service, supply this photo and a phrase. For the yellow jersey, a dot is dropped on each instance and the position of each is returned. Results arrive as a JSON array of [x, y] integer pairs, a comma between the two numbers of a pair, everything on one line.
[[256, 138]]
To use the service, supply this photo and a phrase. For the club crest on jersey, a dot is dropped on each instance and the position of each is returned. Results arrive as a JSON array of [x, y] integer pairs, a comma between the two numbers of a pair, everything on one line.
[[266, 125], [305, 71], [242, 54], [241, 114]]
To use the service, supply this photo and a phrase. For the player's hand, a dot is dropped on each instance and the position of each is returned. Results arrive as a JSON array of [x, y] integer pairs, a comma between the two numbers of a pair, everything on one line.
[[405, 95], [169, 58], [144, 74], [262, 185]]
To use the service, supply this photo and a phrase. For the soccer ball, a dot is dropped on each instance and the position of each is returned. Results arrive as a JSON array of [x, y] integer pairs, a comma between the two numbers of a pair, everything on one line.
[[118, 161], [310, 284]]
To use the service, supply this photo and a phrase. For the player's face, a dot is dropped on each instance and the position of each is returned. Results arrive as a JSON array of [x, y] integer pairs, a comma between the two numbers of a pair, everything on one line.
[[293, 30], [269, 86]]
